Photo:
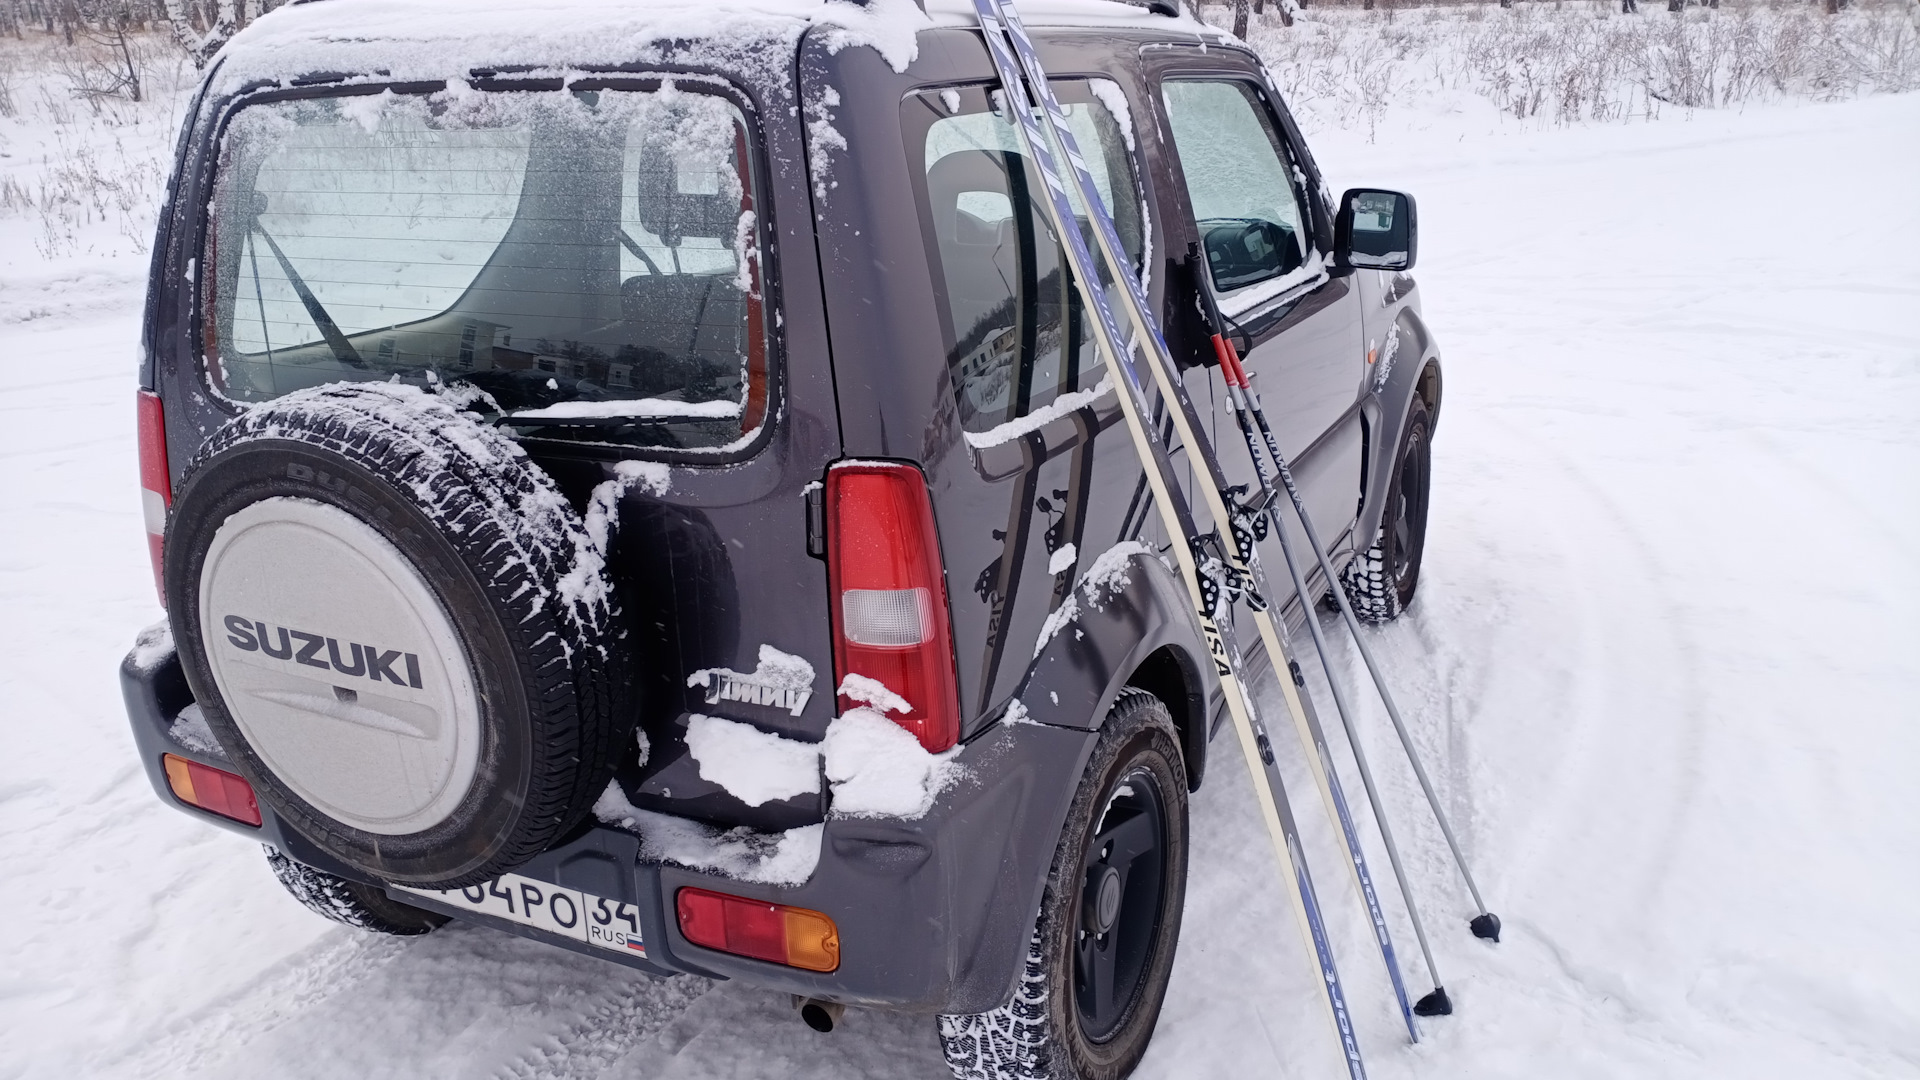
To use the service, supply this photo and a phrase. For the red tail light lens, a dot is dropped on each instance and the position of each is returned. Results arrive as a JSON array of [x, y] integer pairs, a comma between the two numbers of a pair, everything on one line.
[[890, 594], [211, 789], [775, 933], [156, 484]]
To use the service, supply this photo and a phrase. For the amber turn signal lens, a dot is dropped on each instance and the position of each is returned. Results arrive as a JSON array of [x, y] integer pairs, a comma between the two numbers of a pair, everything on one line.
[[775, 933], [813, 942], [211, 789]]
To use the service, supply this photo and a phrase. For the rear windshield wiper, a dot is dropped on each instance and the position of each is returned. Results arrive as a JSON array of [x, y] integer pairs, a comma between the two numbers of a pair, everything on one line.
[[343, 349], [639, 252]]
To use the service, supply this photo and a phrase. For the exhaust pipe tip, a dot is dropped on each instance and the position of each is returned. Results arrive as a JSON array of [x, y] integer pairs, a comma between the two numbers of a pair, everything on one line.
[[821, 1016]]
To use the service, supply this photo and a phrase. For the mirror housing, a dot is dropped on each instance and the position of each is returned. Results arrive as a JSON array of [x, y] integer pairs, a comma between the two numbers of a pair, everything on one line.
[[1375, 229]]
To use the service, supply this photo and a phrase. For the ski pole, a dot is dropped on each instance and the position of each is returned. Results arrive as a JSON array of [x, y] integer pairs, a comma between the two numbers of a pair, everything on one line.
[[1435, 1003], [1485, 925], [1242, 568], [1213, 583]]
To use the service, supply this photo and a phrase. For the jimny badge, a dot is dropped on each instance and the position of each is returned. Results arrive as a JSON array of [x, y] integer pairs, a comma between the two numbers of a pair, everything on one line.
[[781, 681]]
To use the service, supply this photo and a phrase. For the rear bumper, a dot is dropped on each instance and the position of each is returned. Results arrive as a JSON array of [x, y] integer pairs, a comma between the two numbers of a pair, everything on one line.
[[933, 914]]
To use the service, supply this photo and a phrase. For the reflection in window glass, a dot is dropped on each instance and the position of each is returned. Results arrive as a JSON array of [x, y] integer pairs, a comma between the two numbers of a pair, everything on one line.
[[1016, 332], [1237, 180], [584, 256]]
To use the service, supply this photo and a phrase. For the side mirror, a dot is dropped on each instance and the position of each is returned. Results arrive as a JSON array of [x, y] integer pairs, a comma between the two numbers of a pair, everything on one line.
[[1375, 230]]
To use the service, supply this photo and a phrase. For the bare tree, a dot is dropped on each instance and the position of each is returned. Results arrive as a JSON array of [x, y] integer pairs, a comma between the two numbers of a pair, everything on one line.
[[202, 26], [111, 61]]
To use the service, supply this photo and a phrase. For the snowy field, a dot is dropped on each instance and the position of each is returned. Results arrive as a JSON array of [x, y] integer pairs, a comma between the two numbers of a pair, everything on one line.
[[1663, 663]]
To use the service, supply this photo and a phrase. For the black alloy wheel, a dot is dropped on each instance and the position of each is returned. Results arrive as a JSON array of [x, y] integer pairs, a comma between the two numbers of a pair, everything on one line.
[[1407, 508], [1120, 906], [1380, 581], [1101, 955]]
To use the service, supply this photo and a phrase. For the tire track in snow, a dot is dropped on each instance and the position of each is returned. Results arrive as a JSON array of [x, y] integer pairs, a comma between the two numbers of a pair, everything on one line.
[[1625, 658], [463, 1002], [252, 1010], [592, 1044]]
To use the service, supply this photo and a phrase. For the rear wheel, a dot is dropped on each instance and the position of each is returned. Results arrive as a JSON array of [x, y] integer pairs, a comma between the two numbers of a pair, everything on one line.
[[361, 906], [1381, 581], [1102, 949]]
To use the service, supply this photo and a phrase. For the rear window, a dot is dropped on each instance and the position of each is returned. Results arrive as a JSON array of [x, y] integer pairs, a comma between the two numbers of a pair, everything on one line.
[[588, 259], [1017, 335]]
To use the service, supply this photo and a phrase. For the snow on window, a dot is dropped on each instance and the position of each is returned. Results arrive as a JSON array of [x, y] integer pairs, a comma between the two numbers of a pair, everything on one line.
[[1108, 94], [1237, 179], [584, 257]]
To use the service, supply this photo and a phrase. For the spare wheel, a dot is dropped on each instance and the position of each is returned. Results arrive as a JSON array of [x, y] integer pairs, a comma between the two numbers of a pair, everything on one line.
[[399, 631]]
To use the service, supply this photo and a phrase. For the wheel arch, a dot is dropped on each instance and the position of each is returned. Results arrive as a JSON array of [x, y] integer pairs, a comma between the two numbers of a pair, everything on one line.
[[1142, 634], [1170, 674], [1410, 369]]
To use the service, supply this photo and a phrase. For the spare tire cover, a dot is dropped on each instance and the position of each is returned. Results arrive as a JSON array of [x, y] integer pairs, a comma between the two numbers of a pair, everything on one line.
[[399, 631]]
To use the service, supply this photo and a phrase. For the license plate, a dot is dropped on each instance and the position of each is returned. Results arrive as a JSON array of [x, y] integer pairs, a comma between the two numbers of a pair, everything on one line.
[[569, 913]]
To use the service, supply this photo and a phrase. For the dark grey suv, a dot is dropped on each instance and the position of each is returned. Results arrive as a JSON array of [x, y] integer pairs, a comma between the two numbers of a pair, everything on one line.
[[652, 489]]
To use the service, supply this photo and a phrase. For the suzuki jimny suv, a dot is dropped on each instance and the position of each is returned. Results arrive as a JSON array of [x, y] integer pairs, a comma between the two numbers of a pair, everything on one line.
[[652, 489]]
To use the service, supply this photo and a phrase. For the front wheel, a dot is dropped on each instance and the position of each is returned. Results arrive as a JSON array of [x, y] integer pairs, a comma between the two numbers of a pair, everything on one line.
[[1380, 582], [1102, 949]]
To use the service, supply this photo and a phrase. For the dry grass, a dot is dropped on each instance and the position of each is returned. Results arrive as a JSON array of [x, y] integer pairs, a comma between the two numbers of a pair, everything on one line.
[[1584, 60], [81, 164], [84, 168]]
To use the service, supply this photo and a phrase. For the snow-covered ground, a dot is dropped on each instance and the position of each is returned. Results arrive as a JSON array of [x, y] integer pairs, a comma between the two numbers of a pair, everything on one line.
[[1663, 664]]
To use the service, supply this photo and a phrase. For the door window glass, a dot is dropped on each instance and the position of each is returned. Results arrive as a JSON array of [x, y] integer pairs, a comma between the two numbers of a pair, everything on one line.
[[1017, 334], [1238, 181]]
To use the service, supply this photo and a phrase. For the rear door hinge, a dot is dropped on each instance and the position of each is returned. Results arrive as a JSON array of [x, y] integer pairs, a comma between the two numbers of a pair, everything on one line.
[[816, 498]]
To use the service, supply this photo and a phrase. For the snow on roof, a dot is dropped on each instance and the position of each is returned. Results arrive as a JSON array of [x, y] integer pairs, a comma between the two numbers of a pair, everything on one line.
[[1076, 13], [436, 39]]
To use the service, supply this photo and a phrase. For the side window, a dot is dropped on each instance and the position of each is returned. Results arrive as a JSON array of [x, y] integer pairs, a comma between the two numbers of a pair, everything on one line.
[[1016, 332], [1238, 179]]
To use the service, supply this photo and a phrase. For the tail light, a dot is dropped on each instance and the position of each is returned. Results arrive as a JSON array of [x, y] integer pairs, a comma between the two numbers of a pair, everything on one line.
[[156, 486], [211, 789], [775, 933], [890, 594]]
